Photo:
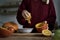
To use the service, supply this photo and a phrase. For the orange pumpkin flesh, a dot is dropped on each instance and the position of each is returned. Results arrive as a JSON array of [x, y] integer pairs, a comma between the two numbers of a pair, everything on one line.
[[46, 32], [13, 26], [41, 26], [45, 26], [5, 32], [11, 29]]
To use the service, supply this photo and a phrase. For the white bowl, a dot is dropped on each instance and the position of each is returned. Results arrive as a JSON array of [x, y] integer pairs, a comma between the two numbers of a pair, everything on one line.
[[25, 30]]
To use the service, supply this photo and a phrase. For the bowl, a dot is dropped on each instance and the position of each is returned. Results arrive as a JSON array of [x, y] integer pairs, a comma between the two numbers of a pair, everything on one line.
[[4, 32], [25, 30]]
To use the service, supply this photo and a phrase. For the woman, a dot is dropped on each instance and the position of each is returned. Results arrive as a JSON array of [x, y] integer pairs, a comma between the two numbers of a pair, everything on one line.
[[40, 10]]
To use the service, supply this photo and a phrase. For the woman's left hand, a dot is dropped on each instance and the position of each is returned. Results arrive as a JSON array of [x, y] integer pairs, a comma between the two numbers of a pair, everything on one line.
[[47, 1], [26, 15]]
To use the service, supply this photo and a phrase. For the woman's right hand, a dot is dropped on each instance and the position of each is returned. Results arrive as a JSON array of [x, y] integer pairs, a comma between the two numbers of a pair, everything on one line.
[[26, 15]]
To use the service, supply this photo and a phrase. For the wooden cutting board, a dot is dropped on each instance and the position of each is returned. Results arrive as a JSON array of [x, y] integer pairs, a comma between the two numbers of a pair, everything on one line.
[[29, 34]]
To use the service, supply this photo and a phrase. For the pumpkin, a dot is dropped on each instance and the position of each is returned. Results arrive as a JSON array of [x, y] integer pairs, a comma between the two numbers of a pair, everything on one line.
[[11, 26], [41, 26], [46, 32], [5, 32]]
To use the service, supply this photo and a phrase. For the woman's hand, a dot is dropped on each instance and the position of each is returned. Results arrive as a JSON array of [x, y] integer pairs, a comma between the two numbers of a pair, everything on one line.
[[26, 15], [47, 1]]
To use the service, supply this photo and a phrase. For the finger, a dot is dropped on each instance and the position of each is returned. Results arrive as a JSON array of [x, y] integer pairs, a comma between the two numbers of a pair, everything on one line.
[[46, 22], [47, 2], [24, 15], [28, 14]]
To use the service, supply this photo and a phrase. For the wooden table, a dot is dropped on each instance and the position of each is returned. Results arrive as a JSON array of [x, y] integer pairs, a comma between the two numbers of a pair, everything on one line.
[[27, 36]]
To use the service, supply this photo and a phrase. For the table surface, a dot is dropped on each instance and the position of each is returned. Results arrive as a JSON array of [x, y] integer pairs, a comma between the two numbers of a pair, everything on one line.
[[27, 36]]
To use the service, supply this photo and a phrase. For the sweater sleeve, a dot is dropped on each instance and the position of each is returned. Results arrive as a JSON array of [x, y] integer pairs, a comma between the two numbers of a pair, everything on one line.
[[51, 16], [19, 16]]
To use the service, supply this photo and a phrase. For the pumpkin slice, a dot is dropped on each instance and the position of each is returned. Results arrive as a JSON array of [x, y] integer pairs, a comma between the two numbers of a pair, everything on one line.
[[5, 32], [10, 25], [46, 32], [41, 26]]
